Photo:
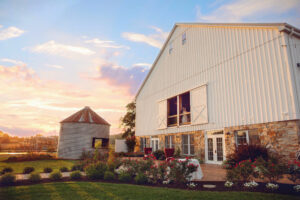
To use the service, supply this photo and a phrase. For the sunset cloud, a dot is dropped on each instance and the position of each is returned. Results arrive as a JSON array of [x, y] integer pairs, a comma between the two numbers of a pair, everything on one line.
[[55, 66], [31, 105], [155, 40], [10, 32], [129, 77], [59, 49], [106, 44]]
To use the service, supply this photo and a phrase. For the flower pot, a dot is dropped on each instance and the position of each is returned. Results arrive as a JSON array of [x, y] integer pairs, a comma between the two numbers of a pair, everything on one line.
[[169, 152]]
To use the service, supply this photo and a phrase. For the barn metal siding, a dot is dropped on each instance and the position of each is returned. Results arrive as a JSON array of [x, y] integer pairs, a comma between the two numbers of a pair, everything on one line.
[[245, 68]]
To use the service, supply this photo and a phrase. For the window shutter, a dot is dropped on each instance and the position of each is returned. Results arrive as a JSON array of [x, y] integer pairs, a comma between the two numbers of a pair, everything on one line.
[[199, 105], [162, 115]]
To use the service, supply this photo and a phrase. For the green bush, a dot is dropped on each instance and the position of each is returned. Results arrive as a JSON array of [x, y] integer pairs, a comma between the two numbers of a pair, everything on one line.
[[141, 178], [125, 177], [243, 171], [75, 175], [77, 167], [47, 170], [96, 171], [7, 170], [28, 170], [108, 175], [34, 177], [55, 176], [7, 179], [63, 169]]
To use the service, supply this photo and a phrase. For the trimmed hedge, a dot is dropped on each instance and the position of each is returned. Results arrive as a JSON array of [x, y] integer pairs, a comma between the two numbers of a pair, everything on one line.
[[125, 177], [63, 169], [108, 175], [47, 170], [141, 178], [28, 170], [55, 176], [7, 179], [34, 177], [75, 175]]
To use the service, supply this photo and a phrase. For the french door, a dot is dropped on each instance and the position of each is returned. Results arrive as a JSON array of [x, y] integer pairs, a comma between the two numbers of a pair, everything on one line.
[[214, 151], [154, 144]]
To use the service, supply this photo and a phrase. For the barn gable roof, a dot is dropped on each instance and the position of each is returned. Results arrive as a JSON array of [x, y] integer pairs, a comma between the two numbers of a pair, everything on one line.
[[282, 27], [86, 115]]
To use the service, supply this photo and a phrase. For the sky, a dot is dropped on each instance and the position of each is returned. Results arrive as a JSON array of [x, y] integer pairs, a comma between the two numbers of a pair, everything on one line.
[[57, 57]]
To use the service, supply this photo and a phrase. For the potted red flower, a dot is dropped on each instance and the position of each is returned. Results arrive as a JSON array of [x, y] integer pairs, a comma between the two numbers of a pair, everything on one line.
[[147, 150], [169, 152]]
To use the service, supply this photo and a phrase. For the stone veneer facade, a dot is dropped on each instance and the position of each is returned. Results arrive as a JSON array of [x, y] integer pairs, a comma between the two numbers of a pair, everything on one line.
[[282, 137]]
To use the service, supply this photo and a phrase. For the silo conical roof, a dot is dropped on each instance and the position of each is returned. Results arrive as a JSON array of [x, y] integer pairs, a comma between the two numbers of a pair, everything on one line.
[[86, 115]]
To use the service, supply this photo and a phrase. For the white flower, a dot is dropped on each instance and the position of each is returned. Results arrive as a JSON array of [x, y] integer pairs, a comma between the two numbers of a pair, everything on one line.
[[272, 186], [191, 185], [166, 182], [251, 184], [121, 169], [297, 188], [228, 184]]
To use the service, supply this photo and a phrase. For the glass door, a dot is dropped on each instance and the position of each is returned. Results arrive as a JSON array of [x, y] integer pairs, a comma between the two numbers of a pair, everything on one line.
[[154, 144], [214, 147]]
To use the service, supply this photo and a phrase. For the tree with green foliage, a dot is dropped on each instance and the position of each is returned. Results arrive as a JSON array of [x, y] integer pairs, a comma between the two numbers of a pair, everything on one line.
[[128, 121]]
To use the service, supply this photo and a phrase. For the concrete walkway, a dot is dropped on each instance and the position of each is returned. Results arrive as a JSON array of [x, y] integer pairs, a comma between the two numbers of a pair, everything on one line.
[[44, 175]]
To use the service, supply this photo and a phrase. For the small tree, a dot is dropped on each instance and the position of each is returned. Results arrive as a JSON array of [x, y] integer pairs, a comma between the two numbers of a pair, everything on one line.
[[128, 121]]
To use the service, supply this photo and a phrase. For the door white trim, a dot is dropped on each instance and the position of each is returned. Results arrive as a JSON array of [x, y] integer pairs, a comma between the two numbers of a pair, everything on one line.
[[209, 134]]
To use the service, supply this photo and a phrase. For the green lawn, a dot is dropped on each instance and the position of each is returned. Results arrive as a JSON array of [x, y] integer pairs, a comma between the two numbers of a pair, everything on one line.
[[97, 190], [38, 165]]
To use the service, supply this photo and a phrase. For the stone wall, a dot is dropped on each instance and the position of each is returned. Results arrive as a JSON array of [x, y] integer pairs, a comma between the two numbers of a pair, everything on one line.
[[282, 137], [199, 143]]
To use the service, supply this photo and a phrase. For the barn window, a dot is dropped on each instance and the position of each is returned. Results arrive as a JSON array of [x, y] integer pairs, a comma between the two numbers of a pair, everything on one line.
[[183, 38], [187, 142], [143, 145], [170, 47], [169, 141], [100, 143], [241, 138], [185, 109], [172, 111], [179, 114]]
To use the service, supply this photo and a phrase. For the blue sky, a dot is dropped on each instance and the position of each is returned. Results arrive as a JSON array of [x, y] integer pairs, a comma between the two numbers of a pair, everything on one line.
[[59, 56]]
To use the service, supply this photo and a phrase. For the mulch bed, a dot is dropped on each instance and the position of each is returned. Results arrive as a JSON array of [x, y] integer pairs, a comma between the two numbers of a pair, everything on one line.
[[283, 188]]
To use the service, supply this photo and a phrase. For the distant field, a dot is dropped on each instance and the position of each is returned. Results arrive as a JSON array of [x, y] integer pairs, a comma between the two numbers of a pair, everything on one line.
[[38, 165]]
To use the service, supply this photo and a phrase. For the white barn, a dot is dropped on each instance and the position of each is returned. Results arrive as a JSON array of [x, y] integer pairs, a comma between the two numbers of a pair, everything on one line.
[[216, 86], [81, 132]]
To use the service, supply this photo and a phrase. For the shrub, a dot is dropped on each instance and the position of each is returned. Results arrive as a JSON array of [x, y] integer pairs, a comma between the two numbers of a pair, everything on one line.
[[180, 171], [125, 177], [77, 167], [130, 142], [108, 175], [7, 170], [96, 171], [159, 155], [293, 171], [28, 170], [47, 170], [63, 169], [55, 176], [34, 177], [247, 152], [242, 171], [7, 179], [75, 175], [141, 178], [272, 169], [29, 157]]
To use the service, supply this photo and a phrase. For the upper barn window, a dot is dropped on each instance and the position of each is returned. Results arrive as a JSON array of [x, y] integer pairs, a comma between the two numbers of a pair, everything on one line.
[[179, 114], [183, 38], [100, 143]]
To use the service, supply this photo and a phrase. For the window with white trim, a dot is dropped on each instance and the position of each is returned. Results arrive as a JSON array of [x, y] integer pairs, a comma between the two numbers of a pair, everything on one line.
[[187, 144], [241, 138], [170, 47], [183, 38], [143, 145], [154, 144], [169, 141]]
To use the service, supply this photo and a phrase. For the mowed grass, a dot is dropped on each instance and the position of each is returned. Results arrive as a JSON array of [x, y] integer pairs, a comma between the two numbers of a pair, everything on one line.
[[38, 165], [97, 190]]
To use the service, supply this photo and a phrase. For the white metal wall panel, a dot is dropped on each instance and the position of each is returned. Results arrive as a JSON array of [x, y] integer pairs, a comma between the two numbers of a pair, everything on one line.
[[244, 68]]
